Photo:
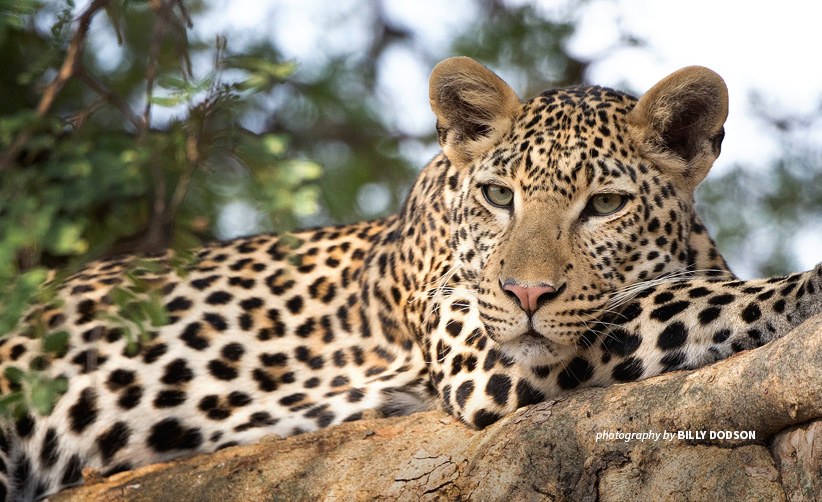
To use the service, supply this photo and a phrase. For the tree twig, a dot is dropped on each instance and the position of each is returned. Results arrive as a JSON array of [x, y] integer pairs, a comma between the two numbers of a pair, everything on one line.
[[108, 95], [67, 70], [194, 139], [158, 224]]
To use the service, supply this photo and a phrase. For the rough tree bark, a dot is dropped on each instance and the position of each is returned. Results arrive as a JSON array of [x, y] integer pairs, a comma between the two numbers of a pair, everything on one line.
[[549, 451]]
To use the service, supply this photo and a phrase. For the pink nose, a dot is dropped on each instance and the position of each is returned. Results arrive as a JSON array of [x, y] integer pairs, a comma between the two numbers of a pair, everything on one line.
[[528, 296]]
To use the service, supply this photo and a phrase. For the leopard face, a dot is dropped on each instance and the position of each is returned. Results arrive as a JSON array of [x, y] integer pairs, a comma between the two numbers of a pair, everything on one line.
[[568, 199]]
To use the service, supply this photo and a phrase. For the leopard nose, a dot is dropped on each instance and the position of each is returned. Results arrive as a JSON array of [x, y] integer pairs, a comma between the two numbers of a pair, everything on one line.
[[529, 297]]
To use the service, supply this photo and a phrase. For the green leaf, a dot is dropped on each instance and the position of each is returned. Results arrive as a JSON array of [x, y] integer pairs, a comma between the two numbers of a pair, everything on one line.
[[55, 342], [168, 102], [46, 392], [68, 239], [14, 374], [175, 83], [19, 296], [156, 312], [275, 144], [121, 296], [278, 70], [12, 405]]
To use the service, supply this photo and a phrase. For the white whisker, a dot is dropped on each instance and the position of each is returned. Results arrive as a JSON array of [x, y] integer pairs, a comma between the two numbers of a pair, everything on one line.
[[622, 296]]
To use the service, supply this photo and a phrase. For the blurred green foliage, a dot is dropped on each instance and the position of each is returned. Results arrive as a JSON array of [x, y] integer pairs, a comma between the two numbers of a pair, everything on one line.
[[136, 156], [756, 216]]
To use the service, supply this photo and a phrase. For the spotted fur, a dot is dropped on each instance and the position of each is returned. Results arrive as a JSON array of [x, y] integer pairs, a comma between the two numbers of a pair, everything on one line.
[[456, 303]]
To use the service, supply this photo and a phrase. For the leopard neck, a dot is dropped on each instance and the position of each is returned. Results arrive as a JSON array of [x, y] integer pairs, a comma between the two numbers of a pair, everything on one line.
[[410, 258], [704, 257]]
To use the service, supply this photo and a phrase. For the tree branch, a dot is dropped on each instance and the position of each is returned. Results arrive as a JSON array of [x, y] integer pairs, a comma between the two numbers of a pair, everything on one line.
[[549, 451], [67, 70], [109, 96], [157, 232]]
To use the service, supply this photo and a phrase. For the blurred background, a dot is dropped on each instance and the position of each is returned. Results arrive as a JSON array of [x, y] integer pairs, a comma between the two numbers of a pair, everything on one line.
[[136, 125]]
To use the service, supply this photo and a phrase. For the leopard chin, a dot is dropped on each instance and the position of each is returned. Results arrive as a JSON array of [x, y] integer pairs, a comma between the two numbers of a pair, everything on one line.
[[534, 349]]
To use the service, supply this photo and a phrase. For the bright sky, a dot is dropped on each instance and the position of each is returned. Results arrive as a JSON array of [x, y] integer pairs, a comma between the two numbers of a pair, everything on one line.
[[768, 47]]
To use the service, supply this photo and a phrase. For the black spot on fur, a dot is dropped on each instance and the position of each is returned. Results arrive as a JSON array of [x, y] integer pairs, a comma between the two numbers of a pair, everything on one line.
[[177, 371], [119, 378], [666, 312], [454, 328], [251, 304], [527, 394], [84, 411], [498, 387], [49, 452], [490, 359], [483, 418], [24, 425], [292, 399], [191, 336], [113, 440], [709, 315], [628, 370], [154, 352], [218, 298], [721, 335], [170, 434], [724, 299], [624, 316], [238, 399], [86, 310], [673, 336], [620, 342], [216, 321], [339, 381], [221, 371], [74, 471], [264, 381], [204, 283], [699, 292], [751, 313], [177, 304], [575, 373], [295, 305], [278, 359], [232, 351], [131, 397], [169, 398], [355, 395], [464, 391]]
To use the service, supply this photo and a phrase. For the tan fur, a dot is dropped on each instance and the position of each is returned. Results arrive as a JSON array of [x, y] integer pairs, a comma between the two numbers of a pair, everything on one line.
[[464, 95], [694, 100]]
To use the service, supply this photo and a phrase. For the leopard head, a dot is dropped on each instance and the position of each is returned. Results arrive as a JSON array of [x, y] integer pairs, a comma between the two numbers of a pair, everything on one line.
[[564, 200]]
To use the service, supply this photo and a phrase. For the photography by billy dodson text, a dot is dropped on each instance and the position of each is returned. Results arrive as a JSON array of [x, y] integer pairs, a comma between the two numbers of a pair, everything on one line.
[[666, 435]]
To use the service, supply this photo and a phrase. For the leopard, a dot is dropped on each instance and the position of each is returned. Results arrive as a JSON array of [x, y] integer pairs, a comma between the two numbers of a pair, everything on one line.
[[552, 245]]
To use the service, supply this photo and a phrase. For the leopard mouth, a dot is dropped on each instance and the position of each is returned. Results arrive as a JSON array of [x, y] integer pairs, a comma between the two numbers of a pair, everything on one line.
[[534, 349], [532, 335]]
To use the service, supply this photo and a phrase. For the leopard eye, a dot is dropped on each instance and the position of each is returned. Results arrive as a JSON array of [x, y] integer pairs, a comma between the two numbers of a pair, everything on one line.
[[606, 203], [498, 195]]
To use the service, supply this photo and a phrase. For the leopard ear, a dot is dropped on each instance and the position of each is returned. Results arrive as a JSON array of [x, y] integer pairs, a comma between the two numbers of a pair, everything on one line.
[[680, 122], [474, 107]]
